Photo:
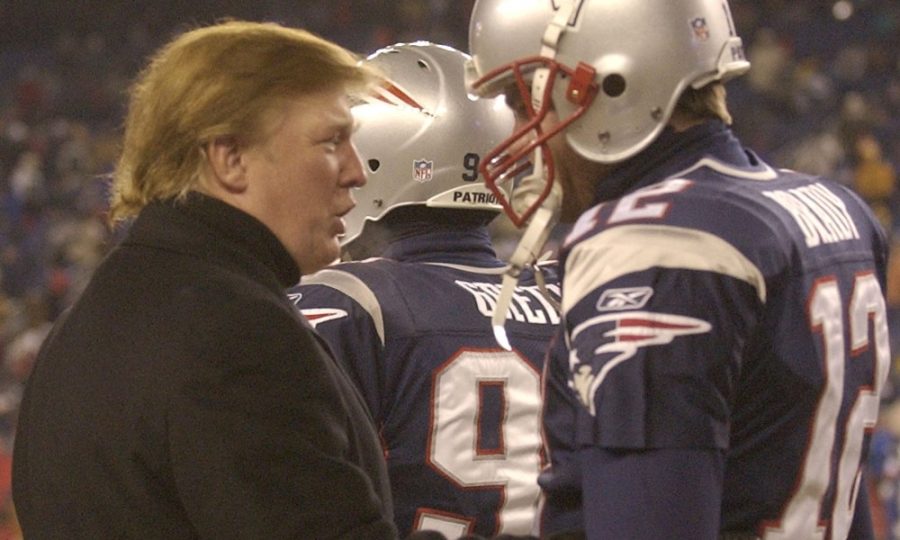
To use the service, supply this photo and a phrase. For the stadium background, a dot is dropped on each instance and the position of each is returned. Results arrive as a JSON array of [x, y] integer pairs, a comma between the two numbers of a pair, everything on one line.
[[823, 96]]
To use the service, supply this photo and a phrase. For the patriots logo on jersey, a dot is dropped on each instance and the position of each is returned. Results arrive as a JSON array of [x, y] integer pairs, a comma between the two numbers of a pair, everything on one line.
[[623, 335], [317, 316]]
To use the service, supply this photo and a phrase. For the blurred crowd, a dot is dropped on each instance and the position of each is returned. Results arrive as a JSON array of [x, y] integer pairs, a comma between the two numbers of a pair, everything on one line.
[[823, 96]]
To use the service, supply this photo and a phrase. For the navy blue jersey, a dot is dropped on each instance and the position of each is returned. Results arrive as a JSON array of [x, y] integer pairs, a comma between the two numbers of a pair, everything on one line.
[[727, 309], [459, 417]]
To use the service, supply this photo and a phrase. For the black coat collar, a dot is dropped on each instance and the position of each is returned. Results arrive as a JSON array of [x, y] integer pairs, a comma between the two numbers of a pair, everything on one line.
[[207, 227]]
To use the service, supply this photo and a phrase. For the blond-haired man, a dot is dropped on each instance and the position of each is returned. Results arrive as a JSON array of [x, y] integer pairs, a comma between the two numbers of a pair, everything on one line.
[[183, 396]]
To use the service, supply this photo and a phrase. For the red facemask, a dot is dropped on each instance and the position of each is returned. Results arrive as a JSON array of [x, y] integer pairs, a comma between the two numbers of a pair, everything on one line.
[[500, 167]]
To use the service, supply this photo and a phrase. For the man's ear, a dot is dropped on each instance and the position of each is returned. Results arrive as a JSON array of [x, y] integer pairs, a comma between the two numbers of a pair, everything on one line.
[[224, 158]]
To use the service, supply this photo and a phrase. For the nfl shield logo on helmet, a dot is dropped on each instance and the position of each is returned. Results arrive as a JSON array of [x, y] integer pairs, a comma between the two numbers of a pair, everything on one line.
[[700, 28], [423, 170]]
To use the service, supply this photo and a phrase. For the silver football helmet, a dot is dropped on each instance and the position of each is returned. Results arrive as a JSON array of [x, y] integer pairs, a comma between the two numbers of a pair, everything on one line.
[[612, 69], [421, 137]]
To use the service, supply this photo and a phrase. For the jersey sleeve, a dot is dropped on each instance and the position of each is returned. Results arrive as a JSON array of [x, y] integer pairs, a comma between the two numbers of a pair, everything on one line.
[[664, 493], [346, 313], [655, 334]]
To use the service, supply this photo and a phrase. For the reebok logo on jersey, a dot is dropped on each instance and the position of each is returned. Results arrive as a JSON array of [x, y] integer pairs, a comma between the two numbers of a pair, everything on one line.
[[623, 334], [317, 316], [624, 298]]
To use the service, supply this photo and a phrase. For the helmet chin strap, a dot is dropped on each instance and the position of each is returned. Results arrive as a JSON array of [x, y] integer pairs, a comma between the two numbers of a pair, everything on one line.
[[545, 217], [532, 241], [549, 43]]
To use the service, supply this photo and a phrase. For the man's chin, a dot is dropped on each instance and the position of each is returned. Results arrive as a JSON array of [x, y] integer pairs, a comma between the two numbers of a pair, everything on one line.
[[332, 255], [326, 255]]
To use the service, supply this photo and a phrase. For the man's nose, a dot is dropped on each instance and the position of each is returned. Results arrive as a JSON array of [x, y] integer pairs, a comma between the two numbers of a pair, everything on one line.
[[352, 173]]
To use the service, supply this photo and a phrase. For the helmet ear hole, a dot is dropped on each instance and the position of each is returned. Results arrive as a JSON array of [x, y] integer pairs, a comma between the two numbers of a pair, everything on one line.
[[614, 85], [374, 165], [424, 65]]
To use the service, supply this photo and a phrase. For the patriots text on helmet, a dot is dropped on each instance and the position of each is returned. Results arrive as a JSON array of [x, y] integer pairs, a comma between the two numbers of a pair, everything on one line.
[[474, 197]]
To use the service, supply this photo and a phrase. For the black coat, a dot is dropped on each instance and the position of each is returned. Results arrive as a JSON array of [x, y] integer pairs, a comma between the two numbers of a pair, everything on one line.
[[184, 397]]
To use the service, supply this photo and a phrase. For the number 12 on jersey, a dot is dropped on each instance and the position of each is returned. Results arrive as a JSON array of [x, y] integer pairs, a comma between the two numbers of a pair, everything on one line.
[[800, 518]]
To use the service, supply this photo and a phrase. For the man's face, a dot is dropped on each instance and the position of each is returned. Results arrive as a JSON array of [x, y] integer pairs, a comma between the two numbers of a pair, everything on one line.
[[570, 169], [301, 174]]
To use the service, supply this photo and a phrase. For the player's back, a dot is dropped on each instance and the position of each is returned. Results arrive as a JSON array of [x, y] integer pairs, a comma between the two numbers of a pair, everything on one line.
[[814, 365], [458, 415], [792, 347]]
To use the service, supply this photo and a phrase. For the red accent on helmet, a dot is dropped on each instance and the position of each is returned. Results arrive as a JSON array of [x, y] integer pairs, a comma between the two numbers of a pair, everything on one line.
[[398, 93]]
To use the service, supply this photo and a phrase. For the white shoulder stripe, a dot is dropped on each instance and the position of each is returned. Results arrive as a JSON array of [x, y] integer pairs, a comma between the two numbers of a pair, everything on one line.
[[632, 248], [353, 287]]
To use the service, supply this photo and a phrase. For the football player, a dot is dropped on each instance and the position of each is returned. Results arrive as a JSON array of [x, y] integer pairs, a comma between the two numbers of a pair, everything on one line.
[[725, 318], [459, 416]]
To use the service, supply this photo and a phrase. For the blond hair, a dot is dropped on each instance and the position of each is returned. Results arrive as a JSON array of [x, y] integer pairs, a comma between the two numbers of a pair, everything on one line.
[[210, 82], [708, 102]]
